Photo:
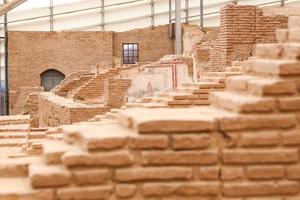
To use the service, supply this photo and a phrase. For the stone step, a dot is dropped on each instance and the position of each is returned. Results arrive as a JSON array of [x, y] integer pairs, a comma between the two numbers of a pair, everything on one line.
[[269, 67], [238, 83], [258, 86], [242, 103], [184, 102], [185, 89], [58, 136], [271, 86], [16, 167], [278, 51], [234, 69], [15, 142], [208, 85], [37, 135], [180, 96], [81, 158], [222, 74], [43, 176], [94, 138], [12, 135], [213, 79], [15, 128], [146, 105], [194, 119], [21, 189], [53, 151]]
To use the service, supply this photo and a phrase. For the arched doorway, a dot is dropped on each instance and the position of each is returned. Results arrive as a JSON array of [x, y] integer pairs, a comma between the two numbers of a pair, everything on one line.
[[51, 78]]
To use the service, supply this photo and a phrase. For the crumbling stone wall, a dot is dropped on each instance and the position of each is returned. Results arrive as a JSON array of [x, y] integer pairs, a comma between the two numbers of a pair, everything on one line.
[[31, 107], [115, 92], [20, 98], [55, 110], [241, 28], [31, 53]]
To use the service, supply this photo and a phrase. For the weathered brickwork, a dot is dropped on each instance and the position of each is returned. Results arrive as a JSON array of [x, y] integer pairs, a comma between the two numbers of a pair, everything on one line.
[[32, 53], [150, 42], [54, 110], [241, 28], [243, 147], [115, 92]]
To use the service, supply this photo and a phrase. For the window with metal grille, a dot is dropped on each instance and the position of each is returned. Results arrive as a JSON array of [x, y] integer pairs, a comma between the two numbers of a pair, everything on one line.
[[130, 53]]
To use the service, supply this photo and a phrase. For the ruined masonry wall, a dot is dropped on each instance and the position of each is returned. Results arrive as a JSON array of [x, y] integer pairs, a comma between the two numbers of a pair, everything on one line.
[[241, 28], [55, 111], [115, 92]]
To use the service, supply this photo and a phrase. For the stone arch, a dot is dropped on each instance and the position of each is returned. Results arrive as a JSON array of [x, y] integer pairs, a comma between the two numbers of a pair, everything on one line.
[[51, 78]]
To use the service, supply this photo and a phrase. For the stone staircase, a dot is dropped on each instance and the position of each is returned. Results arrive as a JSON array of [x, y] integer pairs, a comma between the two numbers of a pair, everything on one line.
[[243, 147], [192, 94]]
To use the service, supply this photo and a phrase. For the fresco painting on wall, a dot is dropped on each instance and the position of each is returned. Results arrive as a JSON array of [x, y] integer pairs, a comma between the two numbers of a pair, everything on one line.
[[155, 79]]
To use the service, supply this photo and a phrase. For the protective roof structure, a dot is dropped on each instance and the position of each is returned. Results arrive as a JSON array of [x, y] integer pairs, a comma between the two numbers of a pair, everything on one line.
[[115, 15]]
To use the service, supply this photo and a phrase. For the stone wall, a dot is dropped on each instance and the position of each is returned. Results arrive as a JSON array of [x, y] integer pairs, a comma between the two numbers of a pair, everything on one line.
[[55, 110], [153, 43], [115, 92], [31, 53], [241, 28]]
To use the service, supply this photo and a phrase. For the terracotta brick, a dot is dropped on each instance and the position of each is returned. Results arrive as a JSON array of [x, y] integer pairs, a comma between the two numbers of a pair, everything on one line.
[[265, 172], [197, 141], [260, 188], [232, 173], [73, 159], [259, 138], [183, 189], [260, 156], [153, 174], [209, 173], [291, 137], [92, 176], [125, 190], [289, 103], [205, 157], [93, 192], [258, 122], [293, 172], [149, 142]]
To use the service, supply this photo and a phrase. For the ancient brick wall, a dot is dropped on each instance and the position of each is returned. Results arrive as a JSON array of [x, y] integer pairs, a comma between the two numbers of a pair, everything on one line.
[[115, 91], [20, 98], [153, 43], [241, 28], [55, 111], [31, 53]]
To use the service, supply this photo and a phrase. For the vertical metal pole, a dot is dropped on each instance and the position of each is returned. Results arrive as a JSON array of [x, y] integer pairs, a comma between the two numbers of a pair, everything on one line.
[[201, 13], [170, 19], [102, 15], [282, 2], [51, 16], [152, 13], [178, 27], [6, 107], [187, 11]]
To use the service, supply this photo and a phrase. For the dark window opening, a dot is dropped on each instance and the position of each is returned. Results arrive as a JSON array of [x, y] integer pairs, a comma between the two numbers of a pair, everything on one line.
[[51, 78], [130, 53]]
